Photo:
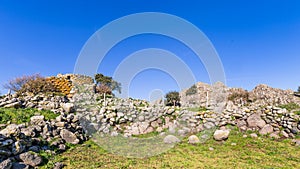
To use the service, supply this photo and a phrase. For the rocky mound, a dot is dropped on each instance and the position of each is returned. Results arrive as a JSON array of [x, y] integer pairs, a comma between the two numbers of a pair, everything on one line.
[[261, 95], [256, 111]]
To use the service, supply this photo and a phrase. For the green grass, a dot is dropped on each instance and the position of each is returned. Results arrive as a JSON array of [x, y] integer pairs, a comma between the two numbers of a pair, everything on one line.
[[18, 116], [290, 106], [197, 109], [247, 153]]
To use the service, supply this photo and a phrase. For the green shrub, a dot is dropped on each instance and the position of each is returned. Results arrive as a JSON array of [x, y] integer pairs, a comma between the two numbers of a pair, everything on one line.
[[33, 84], [239, 95], [37, 85], [191, 91]]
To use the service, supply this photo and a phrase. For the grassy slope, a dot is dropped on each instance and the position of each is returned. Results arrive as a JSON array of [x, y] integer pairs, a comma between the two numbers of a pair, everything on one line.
[[18, 116], [248, 153]]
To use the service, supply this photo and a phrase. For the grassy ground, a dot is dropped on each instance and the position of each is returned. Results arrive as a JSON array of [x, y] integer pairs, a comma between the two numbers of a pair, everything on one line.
[[18, 116], [247, 153]]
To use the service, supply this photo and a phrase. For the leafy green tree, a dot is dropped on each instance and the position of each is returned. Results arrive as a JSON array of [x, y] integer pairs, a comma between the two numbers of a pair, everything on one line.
[[173, 97], [299, 89]]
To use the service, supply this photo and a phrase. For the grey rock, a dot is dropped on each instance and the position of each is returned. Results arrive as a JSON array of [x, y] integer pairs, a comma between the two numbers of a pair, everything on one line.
[[170, 139], [35, 149], [68, 136], [193, 139], [274, 135], [255, 121], [6, 142], [13, 105], [58, 165], [37, 120], [6, 164], [253, 135], [5, 152], [19, 165], [267, 129], [296, 142], [141, 118], [170, 111], [284, 134], [220, 135], [18, 147], [30, 158], [208, 125], [68, 107], [10, 130], [62, 147]]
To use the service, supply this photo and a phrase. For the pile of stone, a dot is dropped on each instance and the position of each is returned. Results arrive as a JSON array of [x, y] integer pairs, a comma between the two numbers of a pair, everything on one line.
[[40, 101], [266, 95], [63, 85], [20, 144], [256, 111], [133, 117], [261, 95]]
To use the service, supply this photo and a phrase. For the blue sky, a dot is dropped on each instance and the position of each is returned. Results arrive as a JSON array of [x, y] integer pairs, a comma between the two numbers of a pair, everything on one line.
[[257, 41]]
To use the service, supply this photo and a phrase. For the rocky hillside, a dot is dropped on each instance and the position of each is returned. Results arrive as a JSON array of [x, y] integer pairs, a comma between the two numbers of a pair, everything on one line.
[[205, 94], [264, 111]]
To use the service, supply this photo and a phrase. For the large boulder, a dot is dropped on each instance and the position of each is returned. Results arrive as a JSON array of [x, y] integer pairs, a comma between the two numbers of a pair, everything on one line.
[[255, 121], [68, 136], [37, 120], [267, 129], [10, 130], [30, 158], [220, 135], [170, 139], [193, 139]]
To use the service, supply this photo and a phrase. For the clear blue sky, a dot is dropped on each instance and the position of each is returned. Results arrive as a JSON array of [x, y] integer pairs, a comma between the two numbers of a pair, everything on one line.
[[257, 41]]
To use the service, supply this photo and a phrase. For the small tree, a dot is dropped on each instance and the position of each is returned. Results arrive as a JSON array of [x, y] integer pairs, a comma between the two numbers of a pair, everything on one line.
[[173, 97], [298, 89], [107, 81], [38, 84], [106, 85], [17, 83], [32, 84]]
